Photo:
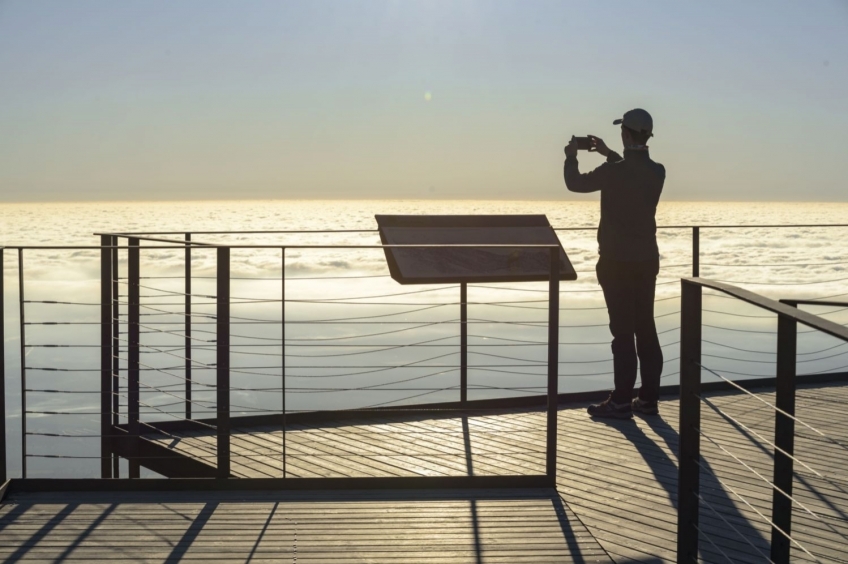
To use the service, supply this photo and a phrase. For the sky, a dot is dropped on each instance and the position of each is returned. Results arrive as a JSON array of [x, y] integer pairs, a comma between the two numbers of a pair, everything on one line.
[[469, 99]]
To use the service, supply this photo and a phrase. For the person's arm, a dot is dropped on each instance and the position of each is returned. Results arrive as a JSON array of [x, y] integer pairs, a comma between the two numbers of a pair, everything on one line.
[[597, 145], [593, 181]]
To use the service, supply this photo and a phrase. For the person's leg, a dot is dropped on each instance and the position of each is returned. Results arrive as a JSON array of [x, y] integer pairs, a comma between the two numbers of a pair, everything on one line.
[[615, 280], [647, 341]]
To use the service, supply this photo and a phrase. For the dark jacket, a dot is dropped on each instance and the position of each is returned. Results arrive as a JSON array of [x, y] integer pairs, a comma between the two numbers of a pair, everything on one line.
[[630, 190]]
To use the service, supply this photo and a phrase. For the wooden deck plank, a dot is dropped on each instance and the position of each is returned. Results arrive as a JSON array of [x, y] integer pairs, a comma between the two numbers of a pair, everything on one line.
[[363, 527], [618, 481]]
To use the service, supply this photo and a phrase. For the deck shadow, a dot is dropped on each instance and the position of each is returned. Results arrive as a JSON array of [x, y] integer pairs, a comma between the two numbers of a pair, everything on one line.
[[720, 515], [183, 526]]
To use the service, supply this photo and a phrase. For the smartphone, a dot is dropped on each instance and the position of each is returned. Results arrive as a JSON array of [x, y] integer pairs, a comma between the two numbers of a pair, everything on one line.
[[583, 143]]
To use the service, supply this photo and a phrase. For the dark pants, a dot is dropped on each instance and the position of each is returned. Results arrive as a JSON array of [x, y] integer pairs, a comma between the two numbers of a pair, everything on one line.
[[629, 292]]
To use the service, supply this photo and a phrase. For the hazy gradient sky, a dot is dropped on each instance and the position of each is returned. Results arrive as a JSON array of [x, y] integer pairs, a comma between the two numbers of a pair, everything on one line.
[[114, 100]]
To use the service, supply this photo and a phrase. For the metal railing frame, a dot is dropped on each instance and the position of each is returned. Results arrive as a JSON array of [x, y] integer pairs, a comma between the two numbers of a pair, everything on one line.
[[784, 429], [223, 427], [187, 243]]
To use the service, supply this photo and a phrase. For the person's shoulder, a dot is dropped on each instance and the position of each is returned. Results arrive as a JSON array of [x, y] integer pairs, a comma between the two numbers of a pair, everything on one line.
[[658, 167], [613, 160]]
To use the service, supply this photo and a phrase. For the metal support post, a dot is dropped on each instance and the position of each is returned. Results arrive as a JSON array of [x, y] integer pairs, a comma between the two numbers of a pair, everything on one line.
[[133, 350], [105, 356], [188, 326], [283, 347], [463, 342], [116, 351], [553, 365], [223, 362], [690, 422], [784, 439], [22, 321], [3, 473], [696, 251]]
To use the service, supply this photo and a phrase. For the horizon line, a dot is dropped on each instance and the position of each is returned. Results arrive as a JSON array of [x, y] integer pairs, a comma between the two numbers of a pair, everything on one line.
[[431, 199]]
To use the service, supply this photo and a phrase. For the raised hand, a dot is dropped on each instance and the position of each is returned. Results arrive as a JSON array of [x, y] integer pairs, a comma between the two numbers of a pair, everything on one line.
[[571, 149], [598, 145]]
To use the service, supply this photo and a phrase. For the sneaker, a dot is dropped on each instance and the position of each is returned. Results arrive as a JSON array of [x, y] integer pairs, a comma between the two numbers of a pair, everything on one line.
[[645, 407], [609, 408]]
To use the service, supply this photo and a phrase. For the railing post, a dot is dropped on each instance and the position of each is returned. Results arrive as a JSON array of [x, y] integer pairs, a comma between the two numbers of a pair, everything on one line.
[[105, 356], [553, 365], [689, 454], [223, 362], [696, 251], [188, 326], [133, 350], [3, 474], [784, 439], [283, 349], [22, 321], [116, 352], [463, 342]]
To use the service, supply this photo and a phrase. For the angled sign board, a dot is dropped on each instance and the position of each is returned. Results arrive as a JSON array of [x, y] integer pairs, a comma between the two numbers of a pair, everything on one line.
[[457, 265]]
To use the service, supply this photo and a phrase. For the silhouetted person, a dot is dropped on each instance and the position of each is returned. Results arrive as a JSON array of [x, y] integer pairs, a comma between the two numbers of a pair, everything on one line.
[[629, 259]]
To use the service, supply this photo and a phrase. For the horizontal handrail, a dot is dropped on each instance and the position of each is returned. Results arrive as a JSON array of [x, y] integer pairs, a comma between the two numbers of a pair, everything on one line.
[[77, 247], [774, 306], [582, 228], [829, 303], [278, 246]]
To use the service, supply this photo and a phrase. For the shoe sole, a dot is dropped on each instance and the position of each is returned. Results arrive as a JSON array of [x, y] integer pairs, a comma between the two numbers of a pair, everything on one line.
[[642, 412], [628, 415]]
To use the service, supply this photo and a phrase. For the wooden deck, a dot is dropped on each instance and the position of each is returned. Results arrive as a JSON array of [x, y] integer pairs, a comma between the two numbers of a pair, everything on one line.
[[616, 501], [290, 527]]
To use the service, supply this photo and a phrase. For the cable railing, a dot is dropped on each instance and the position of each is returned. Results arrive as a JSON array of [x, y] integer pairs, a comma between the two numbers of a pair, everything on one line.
[[777, 477], [361, 349], [160, 377]]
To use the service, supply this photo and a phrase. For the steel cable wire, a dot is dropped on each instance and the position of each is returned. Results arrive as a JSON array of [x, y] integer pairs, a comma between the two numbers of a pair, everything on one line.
[[387, 348], [770, 483], [347, 337], [193, 402], [393, 314], [735, 421], [245, 371], [775, 265], [288, 321], [758, 398], [249, 300], [60, 303], [767, 316], [402, 399], [842, 344], [710, 540], [772, 361]]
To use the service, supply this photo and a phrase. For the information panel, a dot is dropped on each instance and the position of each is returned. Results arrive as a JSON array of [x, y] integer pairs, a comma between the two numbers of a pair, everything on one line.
[[447, 265]]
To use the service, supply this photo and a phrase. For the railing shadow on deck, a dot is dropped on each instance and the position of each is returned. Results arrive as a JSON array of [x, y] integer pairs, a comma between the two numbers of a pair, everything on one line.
[[191, 519], [665, 471]]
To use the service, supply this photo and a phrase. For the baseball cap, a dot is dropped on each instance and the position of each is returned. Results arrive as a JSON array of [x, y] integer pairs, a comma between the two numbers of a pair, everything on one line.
[[637, 120]]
